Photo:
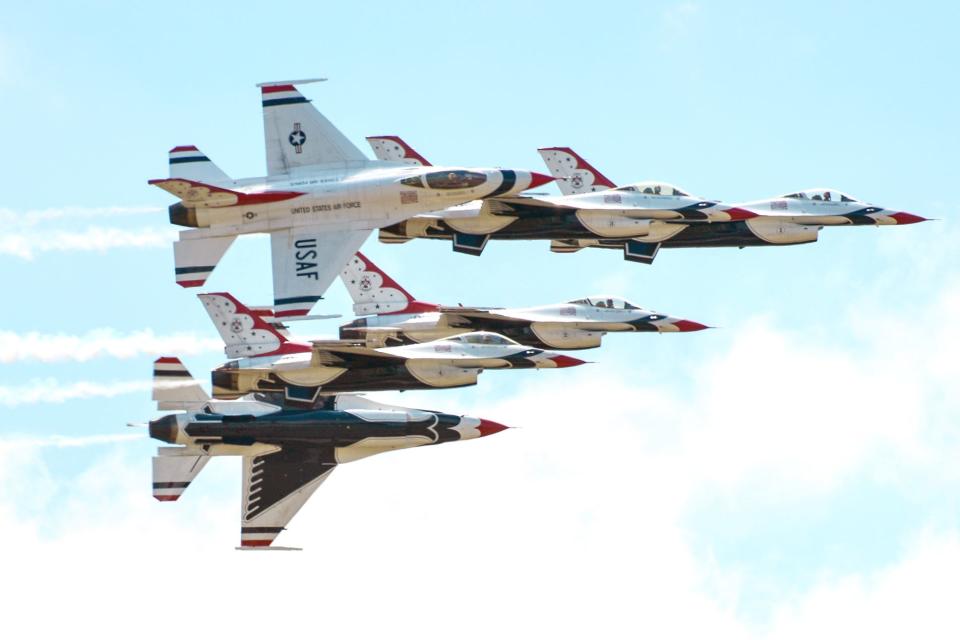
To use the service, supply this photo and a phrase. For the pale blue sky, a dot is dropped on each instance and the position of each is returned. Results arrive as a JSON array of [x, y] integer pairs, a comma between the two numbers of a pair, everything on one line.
[[735, 101]]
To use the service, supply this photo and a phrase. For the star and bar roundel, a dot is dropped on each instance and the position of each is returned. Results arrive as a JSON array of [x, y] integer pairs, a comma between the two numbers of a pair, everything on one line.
[[297, 137]]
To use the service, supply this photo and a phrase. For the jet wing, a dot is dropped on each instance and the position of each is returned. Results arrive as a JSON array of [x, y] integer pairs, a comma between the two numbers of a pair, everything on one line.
[[275, 486], [349, 355], [306, 260], [297, 135]]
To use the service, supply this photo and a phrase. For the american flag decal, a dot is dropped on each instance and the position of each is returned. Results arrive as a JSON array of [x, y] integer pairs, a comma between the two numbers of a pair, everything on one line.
[[778, 205], [408, 197], [612, 199]]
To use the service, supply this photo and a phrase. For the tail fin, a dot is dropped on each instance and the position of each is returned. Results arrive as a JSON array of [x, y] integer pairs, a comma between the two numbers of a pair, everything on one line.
[[244, 332], [297, 135], [173, 471], [376, 293], [574, 174], [189, 162], [394, 149], [174, 387]]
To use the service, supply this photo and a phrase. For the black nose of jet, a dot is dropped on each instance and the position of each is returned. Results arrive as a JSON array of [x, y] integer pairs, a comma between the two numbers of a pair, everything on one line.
[[164, 429]]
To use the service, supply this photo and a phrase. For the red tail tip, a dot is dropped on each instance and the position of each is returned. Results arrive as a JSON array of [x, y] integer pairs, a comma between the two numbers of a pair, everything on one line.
[[538, 179], [489, 427], [689, 325], [563, 361], [903, 217]]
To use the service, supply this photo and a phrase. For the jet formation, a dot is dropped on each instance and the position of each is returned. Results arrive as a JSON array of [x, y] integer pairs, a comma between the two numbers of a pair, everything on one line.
[[640, 218], [290, 407]]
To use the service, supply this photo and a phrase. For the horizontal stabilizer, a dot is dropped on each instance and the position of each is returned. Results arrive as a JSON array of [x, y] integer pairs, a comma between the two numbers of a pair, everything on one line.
[[173, 471], [191, 163], [195, 259], [174, 387], [200, 194]]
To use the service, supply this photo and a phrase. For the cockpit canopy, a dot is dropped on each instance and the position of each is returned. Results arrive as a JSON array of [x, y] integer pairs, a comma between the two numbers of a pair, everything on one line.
[[653, 187], [481, 337], [824, 195], [454, 179], [605, 302]]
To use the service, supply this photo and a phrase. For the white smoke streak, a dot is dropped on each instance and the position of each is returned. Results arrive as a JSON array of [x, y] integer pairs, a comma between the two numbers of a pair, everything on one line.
[[49, 390], [29, 218], [27, 244], [20, 347], [60, 442]]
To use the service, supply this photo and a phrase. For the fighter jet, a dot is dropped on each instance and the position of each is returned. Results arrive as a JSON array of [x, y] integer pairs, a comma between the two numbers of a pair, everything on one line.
[[641, 218], [393, 316], [286, 454], [319, 201], [268, 361]]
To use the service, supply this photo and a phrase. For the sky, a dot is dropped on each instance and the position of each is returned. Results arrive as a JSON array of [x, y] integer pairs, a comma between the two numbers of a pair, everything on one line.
[[791, 473]]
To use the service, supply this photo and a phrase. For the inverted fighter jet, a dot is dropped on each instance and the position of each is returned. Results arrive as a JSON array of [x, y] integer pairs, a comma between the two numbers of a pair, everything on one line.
[[268, 361], [641, 218], [393, 316], [319, 201], [286, 454]]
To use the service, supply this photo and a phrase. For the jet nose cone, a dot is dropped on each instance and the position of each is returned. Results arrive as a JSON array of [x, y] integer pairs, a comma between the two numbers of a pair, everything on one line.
[[689, 325], [489, 427], [903, 217], [538, 179], [561, 361]]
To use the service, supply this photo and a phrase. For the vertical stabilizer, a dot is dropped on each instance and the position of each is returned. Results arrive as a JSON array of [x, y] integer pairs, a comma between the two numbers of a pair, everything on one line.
[[245, 333], [574, 174], [376, 293], [394, 149], [174, 387]]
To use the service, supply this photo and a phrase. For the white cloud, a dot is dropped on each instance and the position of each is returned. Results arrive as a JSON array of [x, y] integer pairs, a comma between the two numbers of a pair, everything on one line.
[[572, 526], [915, 597], [28, 244], [51, 390], [20, 347]]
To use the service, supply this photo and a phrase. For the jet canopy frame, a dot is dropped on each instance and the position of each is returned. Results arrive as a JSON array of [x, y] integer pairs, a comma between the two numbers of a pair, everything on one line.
[[482, 337], [607, 302], [654, 187], [822, 195]]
